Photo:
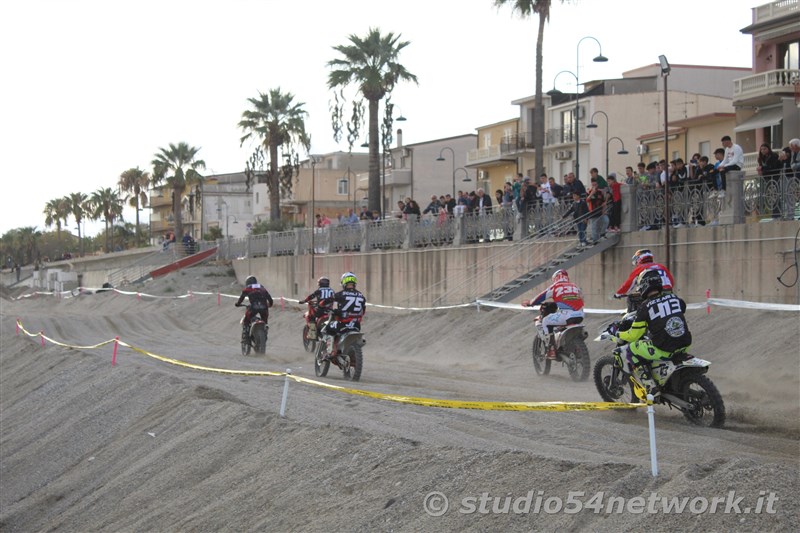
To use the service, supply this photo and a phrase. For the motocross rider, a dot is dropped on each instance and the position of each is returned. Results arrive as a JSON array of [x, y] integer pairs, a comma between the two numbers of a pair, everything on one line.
[[643, 260], [260, 302], [322, 293], [661, 317], [351, 306], [568, 300]]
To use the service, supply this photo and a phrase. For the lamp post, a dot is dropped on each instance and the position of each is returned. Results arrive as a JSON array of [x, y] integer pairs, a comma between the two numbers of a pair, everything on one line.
[[314, 160], [592, 125], [665, 69], [228, 220], [466, 175], [599, 59], [453, 158]]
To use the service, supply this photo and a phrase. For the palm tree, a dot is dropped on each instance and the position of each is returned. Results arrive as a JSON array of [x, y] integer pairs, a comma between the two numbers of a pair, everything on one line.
[[106, 203], [78, 208], [177, 166], [56, 211], [542, 8], [135, 182], [277, 122], [371, 65], [27, 242]]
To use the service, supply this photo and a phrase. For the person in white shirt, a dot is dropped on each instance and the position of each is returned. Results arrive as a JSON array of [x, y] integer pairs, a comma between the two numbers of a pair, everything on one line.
[[734, 159]]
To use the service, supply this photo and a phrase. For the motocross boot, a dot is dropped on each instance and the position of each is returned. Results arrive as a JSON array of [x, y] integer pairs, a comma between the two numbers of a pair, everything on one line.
[[551, 349]]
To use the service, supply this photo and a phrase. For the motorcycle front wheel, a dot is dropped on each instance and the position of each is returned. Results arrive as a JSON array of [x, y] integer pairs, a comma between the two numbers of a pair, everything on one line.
[[540, 361], [309, 344], [321, 365], [576, 355], [707, 410], [353, 361], [613, 384]]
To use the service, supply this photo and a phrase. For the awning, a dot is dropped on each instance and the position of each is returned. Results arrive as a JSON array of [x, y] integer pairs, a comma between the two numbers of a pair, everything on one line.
[[762, 119]]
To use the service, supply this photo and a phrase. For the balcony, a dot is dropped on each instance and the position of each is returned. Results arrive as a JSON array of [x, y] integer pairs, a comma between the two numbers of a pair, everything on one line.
[[775, 10], [766, 86], [159, 201], [398, 176]]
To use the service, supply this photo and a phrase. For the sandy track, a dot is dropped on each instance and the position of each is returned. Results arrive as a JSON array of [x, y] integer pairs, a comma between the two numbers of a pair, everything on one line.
[[458, 354]]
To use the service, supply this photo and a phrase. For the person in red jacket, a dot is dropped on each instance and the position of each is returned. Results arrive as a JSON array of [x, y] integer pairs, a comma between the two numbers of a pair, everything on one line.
[[568, 300], [260, 302], [643, 260]]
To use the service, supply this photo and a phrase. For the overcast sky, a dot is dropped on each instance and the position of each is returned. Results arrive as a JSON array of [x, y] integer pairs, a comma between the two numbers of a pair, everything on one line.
[[91, 88]]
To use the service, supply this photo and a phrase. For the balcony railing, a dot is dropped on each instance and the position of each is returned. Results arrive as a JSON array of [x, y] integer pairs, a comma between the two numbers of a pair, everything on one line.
[[487, 153], [775, 10], [773, 82]]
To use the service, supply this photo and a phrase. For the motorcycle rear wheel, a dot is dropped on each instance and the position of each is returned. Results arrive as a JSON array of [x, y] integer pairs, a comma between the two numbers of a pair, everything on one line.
[[245, 343], [576, 355], [260, 339], [621, 390], [310, 345], [354, 360], [540, 361], [321, 365], [709, 410]]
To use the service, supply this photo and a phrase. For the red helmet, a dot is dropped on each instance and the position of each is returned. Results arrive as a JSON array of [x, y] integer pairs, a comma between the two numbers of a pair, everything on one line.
[[560, 276], [641, 257]]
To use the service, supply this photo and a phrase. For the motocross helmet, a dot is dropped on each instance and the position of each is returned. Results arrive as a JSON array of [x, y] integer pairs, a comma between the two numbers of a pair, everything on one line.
[[251, 280], [560, 276], [324, 282], [647, 282], [348, 277], [642, 256]]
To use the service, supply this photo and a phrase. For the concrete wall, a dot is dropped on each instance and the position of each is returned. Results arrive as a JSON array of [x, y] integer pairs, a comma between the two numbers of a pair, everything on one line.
[[741, 261]]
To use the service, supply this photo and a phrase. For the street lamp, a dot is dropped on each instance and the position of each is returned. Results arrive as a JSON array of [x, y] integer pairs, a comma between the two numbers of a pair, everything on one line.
[[227, 221], [665, 69], [466, 174], [599, 59], [453, 160], [592, 125]]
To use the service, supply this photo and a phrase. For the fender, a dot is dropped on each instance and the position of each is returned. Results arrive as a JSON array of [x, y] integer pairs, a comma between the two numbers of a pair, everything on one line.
[[348, 338], [575, 331]]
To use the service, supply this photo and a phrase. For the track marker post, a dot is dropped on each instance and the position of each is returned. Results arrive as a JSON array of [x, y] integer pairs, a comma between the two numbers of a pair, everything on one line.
[[285, 392], [652, 425], [41, 336], [114, 356]]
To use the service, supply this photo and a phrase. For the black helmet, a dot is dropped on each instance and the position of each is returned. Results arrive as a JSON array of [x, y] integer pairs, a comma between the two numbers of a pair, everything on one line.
[[324, 282], [251, 280], [649, 281]]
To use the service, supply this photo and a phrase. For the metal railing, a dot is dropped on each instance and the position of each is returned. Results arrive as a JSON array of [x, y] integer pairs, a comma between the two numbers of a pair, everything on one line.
[[690, 205]]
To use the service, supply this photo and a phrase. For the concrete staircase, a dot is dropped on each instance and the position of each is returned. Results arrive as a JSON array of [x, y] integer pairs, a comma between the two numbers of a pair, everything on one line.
[[566, 260]]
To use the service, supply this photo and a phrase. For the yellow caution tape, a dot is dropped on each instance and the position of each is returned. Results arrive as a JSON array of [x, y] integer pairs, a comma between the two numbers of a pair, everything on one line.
[[486, 406], [426, 402]]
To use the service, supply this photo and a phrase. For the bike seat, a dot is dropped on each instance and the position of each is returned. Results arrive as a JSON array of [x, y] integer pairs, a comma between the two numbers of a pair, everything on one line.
[[574, 320]]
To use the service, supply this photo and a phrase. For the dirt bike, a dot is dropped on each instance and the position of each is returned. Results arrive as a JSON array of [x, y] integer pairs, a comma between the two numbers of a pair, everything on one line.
[[255, 337], [313, 316], [343, 350], [571, 349], [680, 382]]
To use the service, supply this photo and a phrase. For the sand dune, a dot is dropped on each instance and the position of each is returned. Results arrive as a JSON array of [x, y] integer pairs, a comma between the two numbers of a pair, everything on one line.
[[149, 446]]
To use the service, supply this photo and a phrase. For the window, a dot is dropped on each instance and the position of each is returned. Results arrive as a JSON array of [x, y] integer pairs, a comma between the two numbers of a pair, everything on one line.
[[567, 127], [704, 148], [789, 55], [343, 187], [487, 140]]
